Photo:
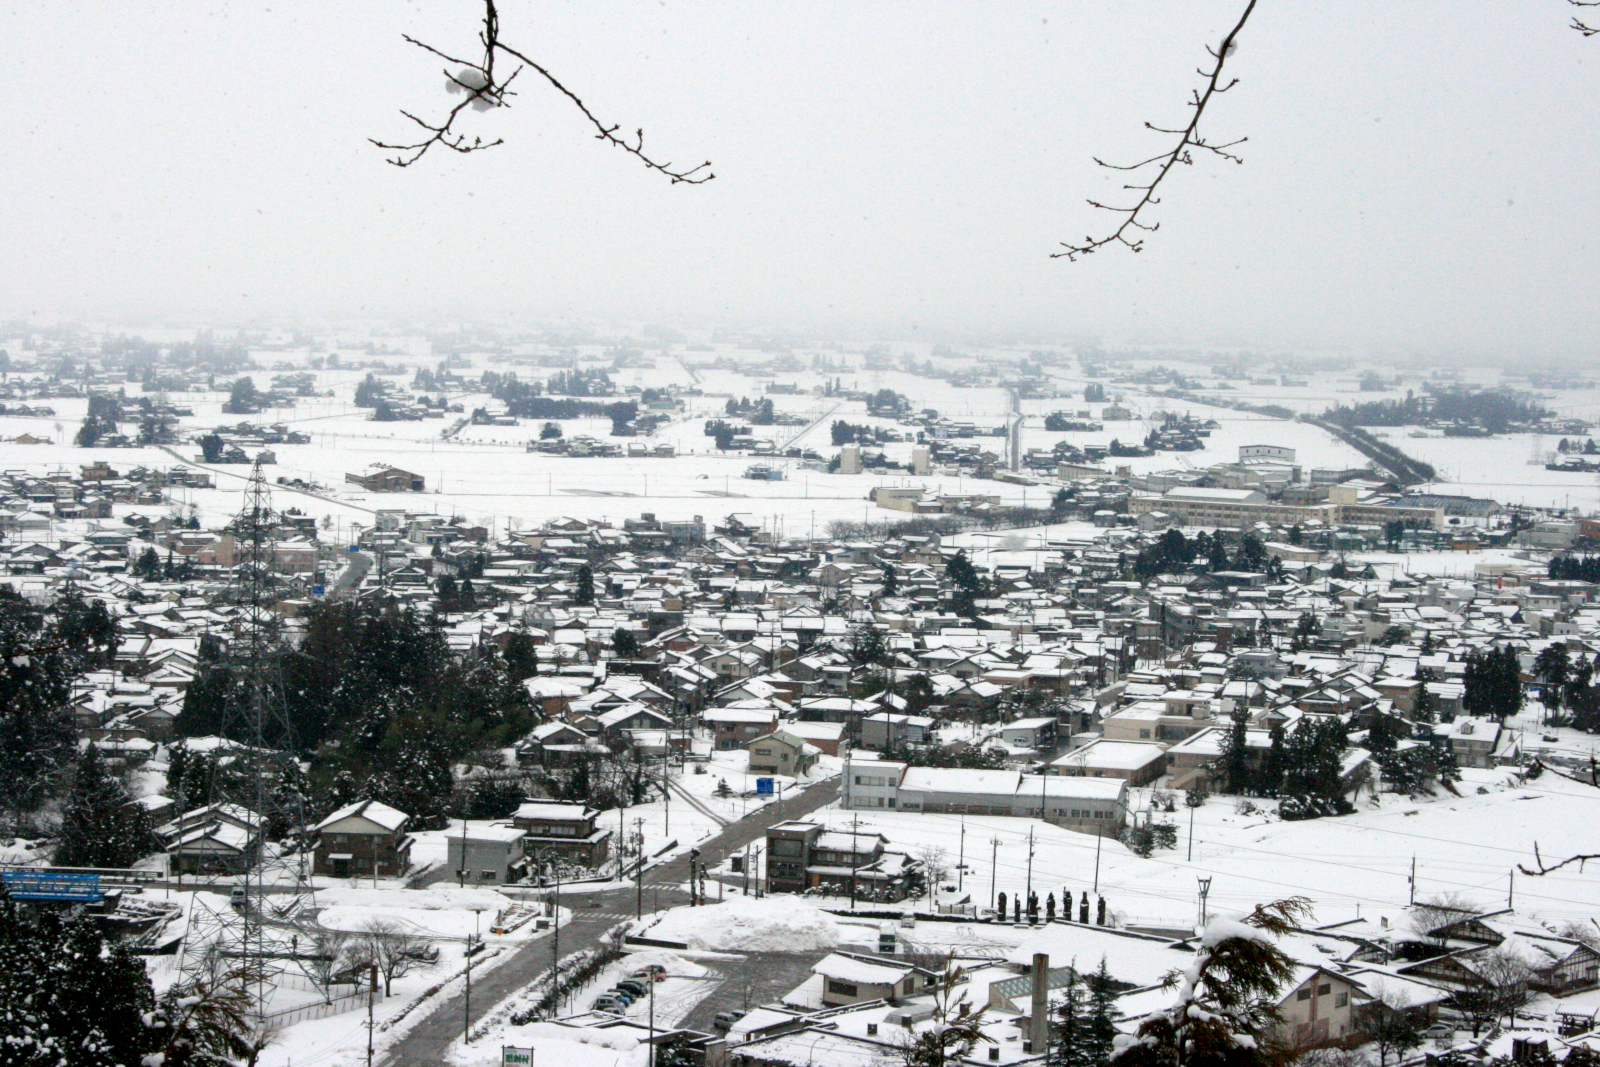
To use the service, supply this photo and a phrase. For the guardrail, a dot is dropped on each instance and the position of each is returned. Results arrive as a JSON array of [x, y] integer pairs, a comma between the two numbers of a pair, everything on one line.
[[113, 875]]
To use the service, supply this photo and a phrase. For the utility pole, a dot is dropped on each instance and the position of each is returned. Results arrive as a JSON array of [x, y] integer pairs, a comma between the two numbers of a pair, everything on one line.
[[855, 828], [1511, 887], [994, 867], [1205, 891], [1097, 837], [372, 991], [961, 858], [1190, 857], [1029, 897], [555, 930], [466, 1006], [461, 871], [639, 871], [1412, 881]]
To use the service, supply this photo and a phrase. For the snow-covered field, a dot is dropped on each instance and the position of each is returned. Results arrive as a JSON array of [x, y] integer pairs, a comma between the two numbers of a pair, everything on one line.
[[1466, 845]]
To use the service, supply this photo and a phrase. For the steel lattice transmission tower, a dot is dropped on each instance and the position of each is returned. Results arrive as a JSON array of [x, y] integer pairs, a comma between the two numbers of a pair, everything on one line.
[[260, 936]]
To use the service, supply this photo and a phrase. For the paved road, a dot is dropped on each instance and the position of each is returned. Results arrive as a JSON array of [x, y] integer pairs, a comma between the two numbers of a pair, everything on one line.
[[593, 915], [351, 576], [759, 978]]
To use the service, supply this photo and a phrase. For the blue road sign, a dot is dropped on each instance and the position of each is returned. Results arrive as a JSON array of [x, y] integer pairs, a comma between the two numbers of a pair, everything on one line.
[[318, 590], [763, 787], [45, 884]]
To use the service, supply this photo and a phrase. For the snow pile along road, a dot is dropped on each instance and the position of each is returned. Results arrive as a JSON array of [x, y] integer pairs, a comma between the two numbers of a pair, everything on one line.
[[746, 924]]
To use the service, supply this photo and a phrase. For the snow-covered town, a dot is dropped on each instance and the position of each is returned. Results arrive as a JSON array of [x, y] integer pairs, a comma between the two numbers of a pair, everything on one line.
[[885, 713], [724, 534]]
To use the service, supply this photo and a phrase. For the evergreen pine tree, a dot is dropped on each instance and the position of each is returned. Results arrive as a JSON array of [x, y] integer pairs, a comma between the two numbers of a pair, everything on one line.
[[1235, 755], [1226, 1010], [1217, 560], [1100, 1029], [1271, 780], [66, 999], [1423, 704], [584, 592], [1068, 1033], [41, 652], [100, 826]]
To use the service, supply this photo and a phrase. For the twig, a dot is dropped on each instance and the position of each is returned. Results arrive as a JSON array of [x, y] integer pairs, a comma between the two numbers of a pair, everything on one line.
[[1578, 24], [484, 92], [1188, 138], [1545, 868]]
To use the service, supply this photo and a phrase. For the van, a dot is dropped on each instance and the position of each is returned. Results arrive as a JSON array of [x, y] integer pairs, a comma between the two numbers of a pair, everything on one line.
[[723, 1021]]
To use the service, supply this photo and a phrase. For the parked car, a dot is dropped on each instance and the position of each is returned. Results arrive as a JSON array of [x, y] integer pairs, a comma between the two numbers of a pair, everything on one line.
[[608, 1003], [651, 968], [723, 1021], [1439, 1032], [634, 986]]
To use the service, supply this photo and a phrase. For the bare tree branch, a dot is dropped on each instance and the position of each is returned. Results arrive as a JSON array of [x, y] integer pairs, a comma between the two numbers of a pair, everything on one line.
[[1546, 868], [1189, 139], [1587, 29], [485, 91]]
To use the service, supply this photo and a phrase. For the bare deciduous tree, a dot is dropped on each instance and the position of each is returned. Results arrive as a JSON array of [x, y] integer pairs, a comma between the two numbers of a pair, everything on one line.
[[1431, 913], [483, 88], [393, 949], [322, 956], [1190, 141], [1504, 989], [1390, 1025], [935, 865]]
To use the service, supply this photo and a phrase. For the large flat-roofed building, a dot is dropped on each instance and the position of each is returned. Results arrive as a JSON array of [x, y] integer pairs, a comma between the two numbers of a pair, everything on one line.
[[1089, 805], [1270, 453], [1238, 508]]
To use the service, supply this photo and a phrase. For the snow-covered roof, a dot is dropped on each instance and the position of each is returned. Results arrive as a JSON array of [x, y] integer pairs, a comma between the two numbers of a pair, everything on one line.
[[959, 780], [845, 968], [372, 811]]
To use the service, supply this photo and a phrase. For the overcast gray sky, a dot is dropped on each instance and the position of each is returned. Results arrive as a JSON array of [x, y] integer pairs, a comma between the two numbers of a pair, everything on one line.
[[1419, 176]]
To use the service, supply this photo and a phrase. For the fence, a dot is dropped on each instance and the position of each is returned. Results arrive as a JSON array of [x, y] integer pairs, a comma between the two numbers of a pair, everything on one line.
[[322, 1009], [305, 982]]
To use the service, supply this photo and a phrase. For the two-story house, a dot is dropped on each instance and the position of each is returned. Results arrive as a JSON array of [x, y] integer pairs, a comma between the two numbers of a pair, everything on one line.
[[363, 840], [781, 752], [562, 829]]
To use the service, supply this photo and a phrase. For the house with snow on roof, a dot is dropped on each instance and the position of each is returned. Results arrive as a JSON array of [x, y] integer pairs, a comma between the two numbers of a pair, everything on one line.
[[851, 979], [782, 752], [365, 839]]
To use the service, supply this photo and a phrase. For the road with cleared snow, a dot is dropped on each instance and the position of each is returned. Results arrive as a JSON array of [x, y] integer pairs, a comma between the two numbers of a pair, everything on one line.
[[594, 915]]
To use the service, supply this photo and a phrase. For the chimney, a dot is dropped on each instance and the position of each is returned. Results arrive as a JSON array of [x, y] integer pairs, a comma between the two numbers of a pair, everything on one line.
[[1040, 1031]]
